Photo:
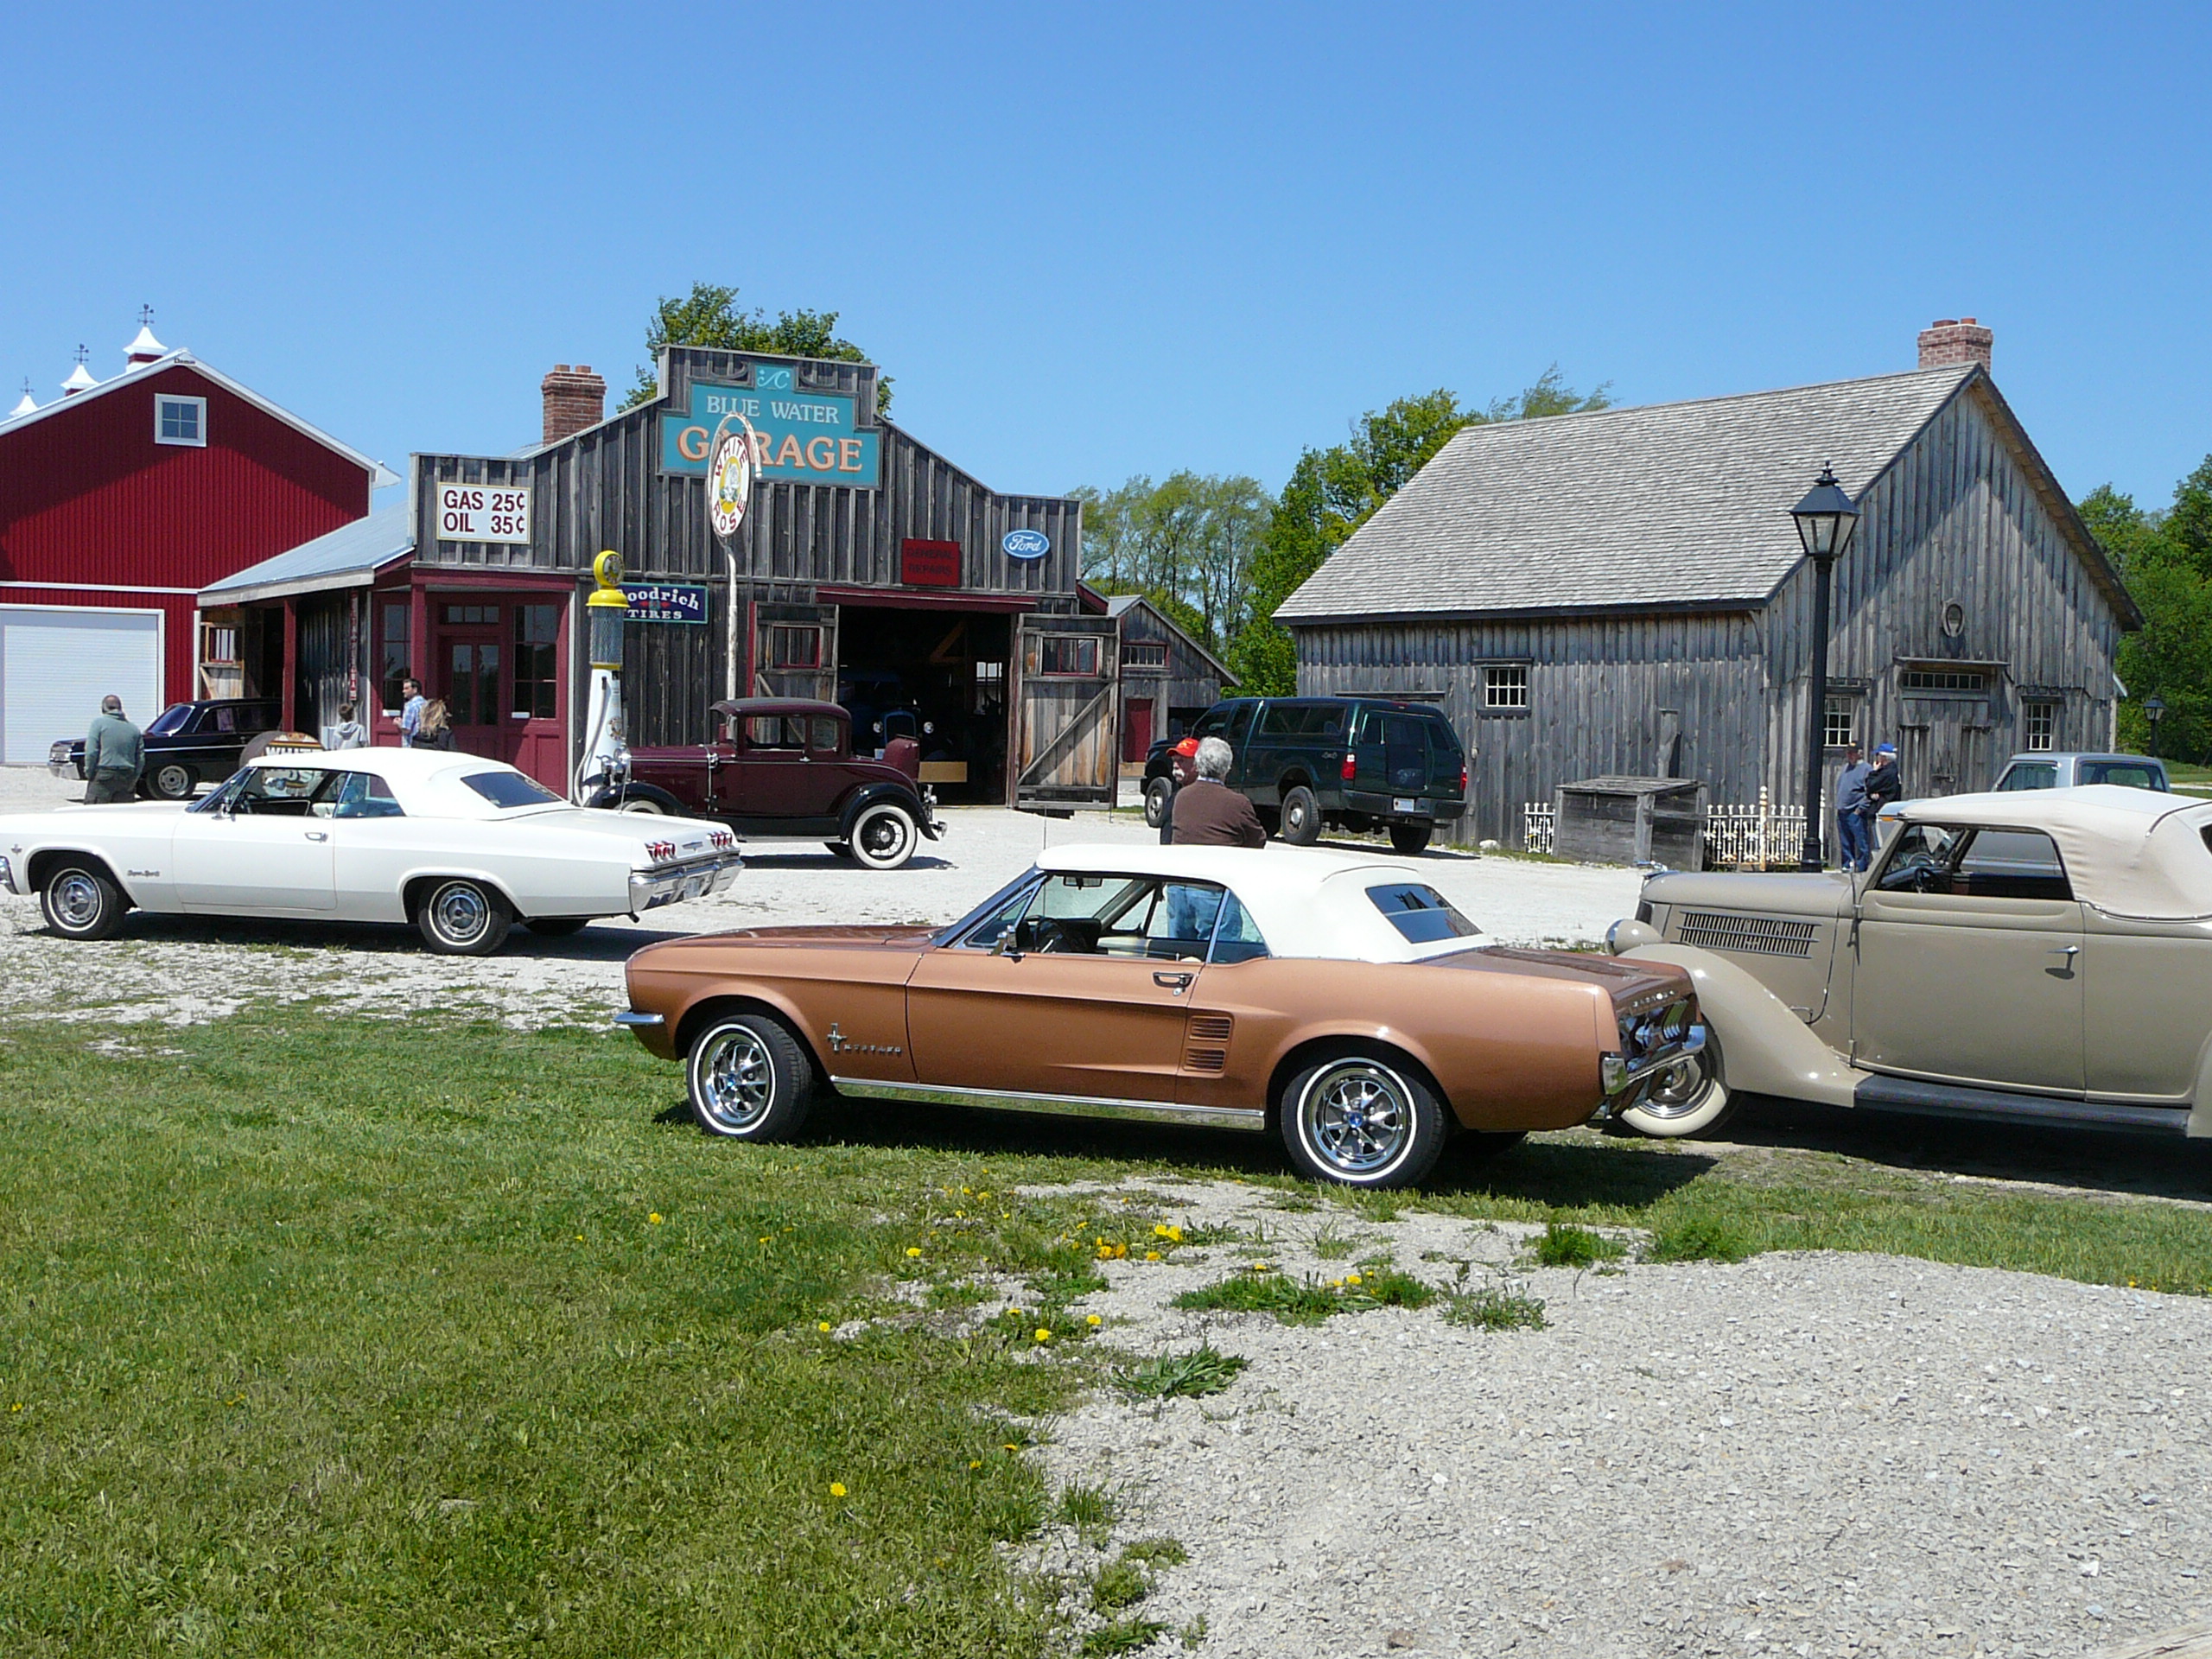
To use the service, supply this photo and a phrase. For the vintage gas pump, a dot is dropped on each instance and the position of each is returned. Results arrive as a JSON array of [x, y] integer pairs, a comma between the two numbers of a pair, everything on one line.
[[605, 761]]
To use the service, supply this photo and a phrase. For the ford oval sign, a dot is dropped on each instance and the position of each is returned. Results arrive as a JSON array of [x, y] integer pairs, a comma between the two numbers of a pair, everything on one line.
[[1026, 543]]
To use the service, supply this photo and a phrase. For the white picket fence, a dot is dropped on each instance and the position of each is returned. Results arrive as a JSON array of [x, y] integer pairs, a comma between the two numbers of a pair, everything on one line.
[[1762, 836]]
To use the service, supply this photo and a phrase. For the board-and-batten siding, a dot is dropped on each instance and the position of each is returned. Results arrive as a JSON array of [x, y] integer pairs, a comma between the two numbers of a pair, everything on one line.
[[1598, 688], [1956, 517], [603, 488]]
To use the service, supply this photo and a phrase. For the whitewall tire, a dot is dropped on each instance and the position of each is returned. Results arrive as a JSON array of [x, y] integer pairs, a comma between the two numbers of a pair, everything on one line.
[[1357, 1120], [748, 1079], [1690, 1099], [884, 835]]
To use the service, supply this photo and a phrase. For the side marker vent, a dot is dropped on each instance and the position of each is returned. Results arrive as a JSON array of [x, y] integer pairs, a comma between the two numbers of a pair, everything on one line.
[[1209, 1043]]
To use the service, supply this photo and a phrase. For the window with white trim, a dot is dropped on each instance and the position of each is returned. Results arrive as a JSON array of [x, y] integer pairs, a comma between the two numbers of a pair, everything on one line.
[[181, 421], [1506, 686], [1839, 723], [2041, 719]]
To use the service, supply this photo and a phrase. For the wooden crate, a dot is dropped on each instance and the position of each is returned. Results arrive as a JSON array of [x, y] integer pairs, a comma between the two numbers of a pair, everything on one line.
[[1631, 821]]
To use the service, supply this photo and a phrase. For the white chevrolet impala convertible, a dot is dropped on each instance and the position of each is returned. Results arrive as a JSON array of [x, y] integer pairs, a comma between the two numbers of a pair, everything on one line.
[[461, 846]]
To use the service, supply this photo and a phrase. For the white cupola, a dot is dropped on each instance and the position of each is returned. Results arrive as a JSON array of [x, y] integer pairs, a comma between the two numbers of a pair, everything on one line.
[[80, 379], [29, 406], [145, 348]]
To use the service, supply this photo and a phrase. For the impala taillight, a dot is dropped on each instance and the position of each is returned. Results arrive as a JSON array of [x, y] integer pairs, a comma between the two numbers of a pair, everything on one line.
[[1351, 766]]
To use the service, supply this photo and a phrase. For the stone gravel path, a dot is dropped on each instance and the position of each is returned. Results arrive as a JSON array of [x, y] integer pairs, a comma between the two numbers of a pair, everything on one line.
[[1815, 1454]]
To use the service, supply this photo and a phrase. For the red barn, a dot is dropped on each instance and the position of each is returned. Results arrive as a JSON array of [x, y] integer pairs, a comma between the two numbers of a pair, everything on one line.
[[119, 503]]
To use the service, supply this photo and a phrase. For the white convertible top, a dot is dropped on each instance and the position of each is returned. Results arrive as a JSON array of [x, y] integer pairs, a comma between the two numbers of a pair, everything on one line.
[[425, 781], [1306, 902], [2129, 852]]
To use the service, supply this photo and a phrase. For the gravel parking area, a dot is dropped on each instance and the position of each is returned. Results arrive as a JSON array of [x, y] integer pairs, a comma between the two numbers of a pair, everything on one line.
[[178, 969], [1817, 1454]]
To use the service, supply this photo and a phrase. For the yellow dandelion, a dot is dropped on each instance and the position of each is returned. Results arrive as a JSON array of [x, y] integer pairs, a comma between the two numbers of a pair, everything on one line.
[[914, 1250], [1174, 1235], [1095, 1319], [653, 1218], [1351, 1278], [822, 1326], [1259, 1267], [974, 1463], [579, 1238], [836, 1489], [965, 1193], [1044, 1333], [1011, 1446], [1152, 1255]]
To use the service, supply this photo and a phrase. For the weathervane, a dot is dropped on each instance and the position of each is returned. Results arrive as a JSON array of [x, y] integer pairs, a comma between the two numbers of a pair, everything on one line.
[[145, 316]]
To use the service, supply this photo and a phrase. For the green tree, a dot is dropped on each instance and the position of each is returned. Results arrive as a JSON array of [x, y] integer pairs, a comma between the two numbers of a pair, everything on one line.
[[1186, 542], [2166, 559], [1332, 492], [711, 315]]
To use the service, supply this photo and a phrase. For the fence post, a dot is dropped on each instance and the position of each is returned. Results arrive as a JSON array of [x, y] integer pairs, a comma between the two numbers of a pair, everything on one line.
[[1765, 857]]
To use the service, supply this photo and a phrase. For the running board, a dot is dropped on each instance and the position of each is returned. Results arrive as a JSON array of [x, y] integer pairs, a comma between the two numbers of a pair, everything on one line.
[[1887, 1094], [1009, 1100]]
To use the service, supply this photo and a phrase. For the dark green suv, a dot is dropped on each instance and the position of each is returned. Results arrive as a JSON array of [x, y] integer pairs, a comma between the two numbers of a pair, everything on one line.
[[1350, 763]]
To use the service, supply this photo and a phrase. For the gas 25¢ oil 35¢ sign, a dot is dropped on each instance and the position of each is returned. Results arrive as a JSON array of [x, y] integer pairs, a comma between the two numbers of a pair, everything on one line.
[[483, 512]]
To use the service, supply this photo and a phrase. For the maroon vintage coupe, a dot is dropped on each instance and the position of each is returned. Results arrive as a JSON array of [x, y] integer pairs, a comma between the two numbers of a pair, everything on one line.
[[785, 766]]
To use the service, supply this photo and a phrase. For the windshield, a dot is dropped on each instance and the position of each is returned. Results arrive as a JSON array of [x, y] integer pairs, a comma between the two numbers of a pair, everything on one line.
[[171, 718], [510, 789]]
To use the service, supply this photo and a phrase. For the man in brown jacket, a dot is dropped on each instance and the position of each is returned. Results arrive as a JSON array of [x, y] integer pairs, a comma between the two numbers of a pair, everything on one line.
[[1208, 813]]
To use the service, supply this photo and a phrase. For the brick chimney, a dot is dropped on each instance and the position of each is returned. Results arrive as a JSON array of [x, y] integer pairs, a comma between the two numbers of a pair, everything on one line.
[[1956, 339], [575, 399]]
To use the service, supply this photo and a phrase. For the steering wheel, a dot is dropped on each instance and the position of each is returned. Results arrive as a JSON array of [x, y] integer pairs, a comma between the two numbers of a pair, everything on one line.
[[1054, 937]]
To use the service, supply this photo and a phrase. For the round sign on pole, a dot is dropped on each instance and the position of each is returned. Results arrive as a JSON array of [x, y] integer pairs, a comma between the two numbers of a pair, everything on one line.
[[729, 474]]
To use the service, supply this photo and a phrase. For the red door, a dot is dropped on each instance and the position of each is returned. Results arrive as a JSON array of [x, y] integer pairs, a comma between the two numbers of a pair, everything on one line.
[[537, 691], [500, 669], [1137, 730], [469, 661]]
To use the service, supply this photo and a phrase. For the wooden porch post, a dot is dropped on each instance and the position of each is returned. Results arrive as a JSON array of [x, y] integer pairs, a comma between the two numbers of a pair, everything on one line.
[[291, 663]]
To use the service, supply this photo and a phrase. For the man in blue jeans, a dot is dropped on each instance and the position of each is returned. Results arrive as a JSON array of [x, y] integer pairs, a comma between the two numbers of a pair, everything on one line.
[[1853, 827]]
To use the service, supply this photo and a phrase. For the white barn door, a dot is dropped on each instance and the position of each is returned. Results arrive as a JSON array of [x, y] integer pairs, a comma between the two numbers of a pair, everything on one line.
[[57, 663]]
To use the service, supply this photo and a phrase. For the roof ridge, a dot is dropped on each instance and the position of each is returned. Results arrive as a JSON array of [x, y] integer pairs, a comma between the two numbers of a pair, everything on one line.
[[1957, 372]]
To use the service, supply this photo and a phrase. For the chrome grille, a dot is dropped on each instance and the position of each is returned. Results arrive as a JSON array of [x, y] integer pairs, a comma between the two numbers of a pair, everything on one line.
[[1764, 936]]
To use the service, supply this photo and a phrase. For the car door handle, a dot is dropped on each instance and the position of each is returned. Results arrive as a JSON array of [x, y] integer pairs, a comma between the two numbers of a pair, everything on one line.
[[2068, 951], [318, 835], [1173, 981]]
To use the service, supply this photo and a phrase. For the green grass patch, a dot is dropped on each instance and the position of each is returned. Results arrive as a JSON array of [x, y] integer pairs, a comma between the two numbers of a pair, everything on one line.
[[1494, 1308], [337, 1336], [1309, 1299], [1122, 1635], [1563, 1244], [1205, 1369]]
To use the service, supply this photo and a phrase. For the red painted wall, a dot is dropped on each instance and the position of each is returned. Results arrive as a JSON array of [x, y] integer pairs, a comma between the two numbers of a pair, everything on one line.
[[86, 496]]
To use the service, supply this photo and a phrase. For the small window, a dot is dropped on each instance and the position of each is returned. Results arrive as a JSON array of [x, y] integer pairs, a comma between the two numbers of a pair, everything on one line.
[[510, 789], [394, 656], [1068, 654], [467, 616], [2011, 864], [1942, 679], [181, 421], [219, 644], [1841, 728], [170, 720], [1422, 914], [774, 731], [1506, 686], [1236, 936], [1279, 721], [822, 735], [365, 795], [536, 656], [2029, 774], [1212, 723], [1144, 654], [2041, 720], [794, 647]]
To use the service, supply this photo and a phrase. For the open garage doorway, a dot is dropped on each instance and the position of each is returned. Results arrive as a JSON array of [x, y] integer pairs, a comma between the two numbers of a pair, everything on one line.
[[938, 676]]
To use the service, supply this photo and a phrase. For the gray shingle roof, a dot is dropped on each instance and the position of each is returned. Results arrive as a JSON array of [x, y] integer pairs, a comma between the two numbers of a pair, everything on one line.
[[1666, 504], [348, 557]]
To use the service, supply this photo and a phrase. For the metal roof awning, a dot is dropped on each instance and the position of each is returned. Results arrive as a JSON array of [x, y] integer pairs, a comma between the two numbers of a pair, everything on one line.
[[350, 556]]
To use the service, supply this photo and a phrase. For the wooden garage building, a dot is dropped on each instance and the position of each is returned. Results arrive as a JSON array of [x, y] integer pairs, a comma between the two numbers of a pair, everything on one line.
[[1623, 593]]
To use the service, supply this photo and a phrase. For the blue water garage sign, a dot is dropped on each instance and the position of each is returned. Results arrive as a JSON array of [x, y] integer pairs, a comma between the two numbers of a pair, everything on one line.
[[1026, 543], [807, 438], [663, 601]]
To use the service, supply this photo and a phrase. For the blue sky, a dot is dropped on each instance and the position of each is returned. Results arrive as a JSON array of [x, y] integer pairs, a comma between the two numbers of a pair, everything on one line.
[[1089, 242]]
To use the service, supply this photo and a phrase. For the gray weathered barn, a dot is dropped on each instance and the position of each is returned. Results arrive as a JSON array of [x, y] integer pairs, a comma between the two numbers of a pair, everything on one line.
[[1623, 592], [1168, 679]]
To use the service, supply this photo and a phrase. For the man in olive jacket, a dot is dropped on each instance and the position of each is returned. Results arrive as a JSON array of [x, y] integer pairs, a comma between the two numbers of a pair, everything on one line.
[[1207, 812], [114, 754]]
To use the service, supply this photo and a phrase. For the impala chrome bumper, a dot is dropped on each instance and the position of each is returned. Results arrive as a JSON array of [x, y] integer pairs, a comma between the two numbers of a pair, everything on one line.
[[649, 889]]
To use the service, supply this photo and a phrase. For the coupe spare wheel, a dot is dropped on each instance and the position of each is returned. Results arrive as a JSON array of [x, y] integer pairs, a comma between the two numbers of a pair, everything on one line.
[[1689, 1098]]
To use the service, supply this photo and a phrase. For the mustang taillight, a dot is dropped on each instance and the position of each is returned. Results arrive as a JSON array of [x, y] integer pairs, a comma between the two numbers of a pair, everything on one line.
[[1351, 766]]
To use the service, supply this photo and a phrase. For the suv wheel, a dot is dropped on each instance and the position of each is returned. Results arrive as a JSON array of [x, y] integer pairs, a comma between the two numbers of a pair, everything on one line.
[[1157, 796], [1301, 816], [1409, 837]]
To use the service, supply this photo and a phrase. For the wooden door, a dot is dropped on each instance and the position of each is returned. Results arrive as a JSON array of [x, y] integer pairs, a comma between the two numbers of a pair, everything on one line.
[[795, 651], [1137, 739], [472, 663], [1065, 709]]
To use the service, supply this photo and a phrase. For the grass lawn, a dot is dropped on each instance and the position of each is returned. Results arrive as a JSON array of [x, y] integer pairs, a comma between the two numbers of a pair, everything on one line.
[[341, 1336]]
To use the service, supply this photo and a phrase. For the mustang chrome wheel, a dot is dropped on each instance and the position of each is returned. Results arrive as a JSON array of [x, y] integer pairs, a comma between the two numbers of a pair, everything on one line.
[[460, 918], [749, 1079], [1355, 1120]]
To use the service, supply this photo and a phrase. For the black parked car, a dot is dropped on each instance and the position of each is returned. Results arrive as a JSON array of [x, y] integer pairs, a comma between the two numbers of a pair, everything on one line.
[[188, 744], [1348, 763]]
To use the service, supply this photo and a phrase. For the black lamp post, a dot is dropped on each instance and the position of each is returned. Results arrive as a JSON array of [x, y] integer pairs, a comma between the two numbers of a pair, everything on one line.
[[2154, 709], [1826, 519]]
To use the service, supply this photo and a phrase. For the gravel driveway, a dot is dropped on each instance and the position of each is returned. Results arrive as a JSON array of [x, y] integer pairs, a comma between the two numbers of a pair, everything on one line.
[[1815, 1454], [178, 969]]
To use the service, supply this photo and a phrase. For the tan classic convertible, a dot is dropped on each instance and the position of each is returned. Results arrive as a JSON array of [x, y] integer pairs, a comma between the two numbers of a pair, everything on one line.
[[2041, 957], [1337, 999]]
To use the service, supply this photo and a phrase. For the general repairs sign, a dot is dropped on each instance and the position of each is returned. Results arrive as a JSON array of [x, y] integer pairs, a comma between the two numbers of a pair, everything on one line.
[[807, 437]]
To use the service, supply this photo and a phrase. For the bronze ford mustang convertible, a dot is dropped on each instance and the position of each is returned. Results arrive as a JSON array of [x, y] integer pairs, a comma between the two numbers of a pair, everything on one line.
[[2040, 958], [1334, 997]]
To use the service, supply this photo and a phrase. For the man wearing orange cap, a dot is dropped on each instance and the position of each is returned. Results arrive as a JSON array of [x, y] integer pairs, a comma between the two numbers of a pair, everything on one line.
[[1182, 768]]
